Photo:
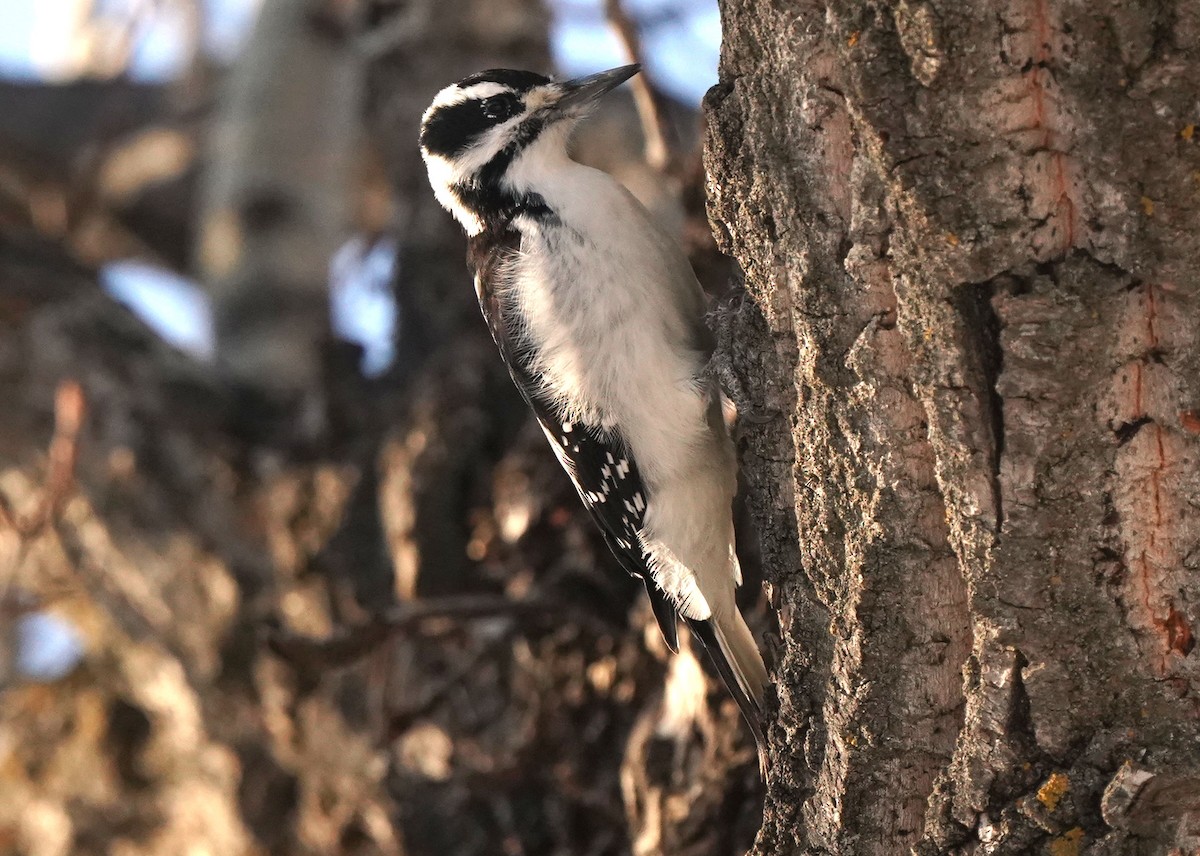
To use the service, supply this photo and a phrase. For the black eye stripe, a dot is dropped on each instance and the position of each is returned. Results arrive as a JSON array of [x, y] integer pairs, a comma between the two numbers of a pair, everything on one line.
[[452, 129]]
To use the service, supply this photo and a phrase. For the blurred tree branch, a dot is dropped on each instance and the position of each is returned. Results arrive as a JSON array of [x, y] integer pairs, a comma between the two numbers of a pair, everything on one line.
[[351, 644], [660, 141], [69, 409]]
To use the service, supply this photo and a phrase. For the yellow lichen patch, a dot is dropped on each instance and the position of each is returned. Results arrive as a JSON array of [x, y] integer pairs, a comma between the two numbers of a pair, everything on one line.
[[853, 40], [1148, 206], [952, 239], [1053, 790], [1068, 843], [1189, 131]]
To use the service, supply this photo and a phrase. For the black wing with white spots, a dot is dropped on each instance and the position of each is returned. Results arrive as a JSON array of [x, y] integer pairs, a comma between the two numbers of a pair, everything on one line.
[[604, 473], [608, 482]]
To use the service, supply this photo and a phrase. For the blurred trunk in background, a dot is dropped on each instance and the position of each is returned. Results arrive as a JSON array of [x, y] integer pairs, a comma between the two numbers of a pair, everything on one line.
[[971, 247]]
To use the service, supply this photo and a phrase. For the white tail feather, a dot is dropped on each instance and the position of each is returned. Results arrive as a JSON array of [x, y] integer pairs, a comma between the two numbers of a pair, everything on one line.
[[741, 652]]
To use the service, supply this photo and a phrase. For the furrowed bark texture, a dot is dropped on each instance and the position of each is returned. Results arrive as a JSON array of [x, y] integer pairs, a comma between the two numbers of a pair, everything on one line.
[[971, 245]]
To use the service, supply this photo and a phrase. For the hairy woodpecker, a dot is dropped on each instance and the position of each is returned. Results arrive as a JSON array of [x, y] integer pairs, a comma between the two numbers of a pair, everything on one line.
[[599, 317]]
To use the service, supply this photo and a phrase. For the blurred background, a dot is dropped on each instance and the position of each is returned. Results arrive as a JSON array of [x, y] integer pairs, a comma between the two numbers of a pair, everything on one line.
[[284, 565]]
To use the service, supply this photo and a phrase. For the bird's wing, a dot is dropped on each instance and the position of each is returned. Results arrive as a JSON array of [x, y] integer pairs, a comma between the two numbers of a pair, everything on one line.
[[607, 479], [603, 471]]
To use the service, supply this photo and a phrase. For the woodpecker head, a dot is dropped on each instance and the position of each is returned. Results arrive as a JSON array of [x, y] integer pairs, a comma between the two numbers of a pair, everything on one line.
[[477, 134]]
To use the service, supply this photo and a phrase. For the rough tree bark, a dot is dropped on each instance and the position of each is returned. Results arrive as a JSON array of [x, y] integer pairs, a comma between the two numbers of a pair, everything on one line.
[[972, 254]]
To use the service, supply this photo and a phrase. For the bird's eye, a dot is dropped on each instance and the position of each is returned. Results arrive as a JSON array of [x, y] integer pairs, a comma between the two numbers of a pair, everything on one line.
[[499, 107]]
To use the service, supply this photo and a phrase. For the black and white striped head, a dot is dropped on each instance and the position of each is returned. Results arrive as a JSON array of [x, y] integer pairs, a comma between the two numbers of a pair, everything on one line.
[[479, 136]]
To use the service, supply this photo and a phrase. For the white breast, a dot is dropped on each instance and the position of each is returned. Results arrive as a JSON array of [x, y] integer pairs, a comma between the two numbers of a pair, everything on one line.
[[612, 310], [614, 313]]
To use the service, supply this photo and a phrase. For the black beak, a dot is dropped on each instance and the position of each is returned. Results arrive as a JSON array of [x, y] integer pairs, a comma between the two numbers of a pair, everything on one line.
[[583, 91]]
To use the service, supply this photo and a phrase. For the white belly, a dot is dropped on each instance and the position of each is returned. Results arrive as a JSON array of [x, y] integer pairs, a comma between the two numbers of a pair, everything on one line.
[[610, 350], [613, 313]]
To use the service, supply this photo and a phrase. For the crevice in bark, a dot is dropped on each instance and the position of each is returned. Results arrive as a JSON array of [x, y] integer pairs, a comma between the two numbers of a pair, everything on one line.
[[1019, 724], [1126, 431], [982, 326]]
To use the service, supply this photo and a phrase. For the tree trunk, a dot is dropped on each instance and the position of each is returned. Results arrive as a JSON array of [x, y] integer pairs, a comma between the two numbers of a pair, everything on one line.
[[972, 255]]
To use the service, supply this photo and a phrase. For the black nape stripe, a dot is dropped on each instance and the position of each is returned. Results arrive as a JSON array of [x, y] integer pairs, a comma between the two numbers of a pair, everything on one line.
[[519, 81]]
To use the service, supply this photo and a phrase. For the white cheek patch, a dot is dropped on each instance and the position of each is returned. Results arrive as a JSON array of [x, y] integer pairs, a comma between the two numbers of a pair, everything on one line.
[[443, 170], [442, 177], [486, 147], [445, 173]]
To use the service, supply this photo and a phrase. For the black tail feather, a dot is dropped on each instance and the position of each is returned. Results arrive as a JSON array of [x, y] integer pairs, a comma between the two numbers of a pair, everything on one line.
[[749, 708]]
